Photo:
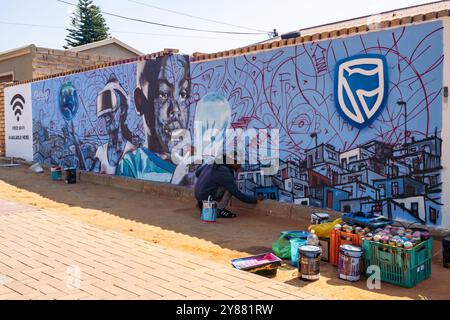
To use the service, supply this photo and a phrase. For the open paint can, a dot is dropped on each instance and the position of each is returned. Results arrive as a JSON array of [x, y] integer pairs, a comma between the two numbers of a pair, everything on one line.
[[309, 262], [56, 173], [71, 175], [209, 211], [350, 259], [446, 252]]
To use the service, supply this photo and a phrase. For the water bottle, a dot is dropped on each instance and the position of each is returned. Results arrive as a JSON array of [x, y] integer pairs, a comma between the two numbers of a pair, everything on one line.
[[312, 239]]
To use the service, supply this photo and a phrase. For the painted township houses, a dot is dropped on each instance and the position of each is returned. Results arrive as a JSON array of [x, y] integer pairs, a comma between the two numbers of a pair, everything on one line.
[[400, 183]]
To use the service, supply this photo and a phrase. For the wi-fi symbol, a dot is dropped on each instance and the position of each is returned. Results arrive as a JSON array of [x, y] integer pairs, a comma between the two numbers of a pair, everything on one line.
[[17, 103]]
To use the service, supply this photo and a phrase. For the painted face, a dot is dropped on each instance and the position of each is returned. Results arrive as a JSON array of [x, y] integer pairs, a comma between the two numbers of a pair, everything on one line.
[[112, 122], [171, 102]]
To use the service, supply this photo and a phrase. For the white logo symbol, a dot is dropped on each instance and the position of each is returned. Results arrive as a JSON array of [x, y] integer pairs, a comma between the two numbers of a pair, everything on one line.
[[371, 81]]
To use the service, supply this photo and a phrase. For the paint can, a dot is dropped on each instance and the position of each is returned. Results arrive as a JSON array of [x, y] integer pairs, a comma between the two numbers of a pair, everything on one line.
[[295, 244], [446, 251], [209, 211], [56, 173], [350, 259], [71, 175], [319, 217], [309, 262]]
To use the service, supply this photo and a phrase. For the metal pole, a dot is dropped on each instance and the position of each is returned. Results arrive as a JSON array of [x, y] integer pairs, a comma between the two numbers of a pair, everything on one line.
[[406, 120]]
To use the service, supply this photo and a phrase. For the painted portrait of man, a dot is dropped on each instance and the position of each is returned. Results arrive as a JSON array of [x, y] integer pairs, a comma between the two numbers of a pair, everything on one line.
[[112, 108], [161, 98]]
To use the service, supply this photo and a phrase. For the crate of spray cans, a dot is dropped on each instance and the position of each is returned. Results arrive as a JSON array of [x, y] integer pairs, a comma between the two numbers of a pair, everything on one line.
[[345, 234], [403, 255]]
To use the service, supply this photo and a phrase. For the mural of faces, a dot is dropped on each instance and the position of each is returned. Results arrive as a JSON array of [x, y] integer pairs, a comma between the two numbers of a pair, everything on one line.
[[162, 99]]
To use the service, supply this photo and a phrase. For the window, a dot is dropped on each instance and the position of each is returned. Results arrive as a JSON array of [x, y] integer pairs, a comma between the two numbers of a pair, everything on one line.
[[304, 203], [433, 215], [353, 159], [8, 77], [298, 186], [415, 209], [394, 189], [332, 155], [382, 189]]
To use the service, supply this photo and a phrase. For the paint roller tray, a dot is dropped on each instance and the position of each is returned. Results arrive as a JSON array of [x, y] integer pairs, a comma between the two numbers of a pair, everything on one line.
[[266, 263]]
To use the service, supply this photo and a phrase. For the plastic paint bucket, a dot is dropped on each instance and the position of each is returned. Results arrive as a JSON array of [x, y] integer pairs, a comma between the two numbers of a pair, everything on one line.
[[71, 175], [56, 173], [295, 244], [309, 262], [350, 259], [446, 252], [209, 211]]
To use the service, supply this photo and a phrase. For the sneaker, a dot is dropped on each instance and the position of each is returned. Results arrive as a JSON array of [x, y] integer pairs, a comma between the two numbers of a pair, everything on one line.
[[224, 213]]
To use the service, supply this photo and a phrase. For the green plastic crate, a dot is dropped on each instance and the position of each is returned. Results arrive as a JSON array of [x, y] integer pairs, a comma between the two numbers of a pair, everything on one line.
[[400, 266]]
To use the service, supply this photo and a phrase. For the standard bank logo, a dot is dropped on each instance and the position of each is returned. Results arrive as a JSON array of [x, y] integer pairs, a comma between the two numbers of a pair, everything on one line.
[[361, 88]]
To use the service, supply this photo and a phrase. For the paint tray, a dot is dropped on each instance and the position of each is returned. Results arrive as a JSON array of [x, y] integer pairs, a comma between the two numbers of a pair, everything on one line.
[[266, 263]]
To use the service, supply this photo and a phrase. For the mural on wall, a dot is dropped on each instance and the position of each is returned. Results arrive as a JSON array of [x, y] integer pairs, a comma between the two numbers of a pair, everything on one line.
[[375, 146], [382, 155]]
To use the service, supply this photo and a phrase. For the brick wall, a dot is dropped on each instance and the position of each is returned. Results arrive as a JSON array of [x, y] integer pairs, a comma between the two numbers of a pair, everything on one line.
[[47, 62]]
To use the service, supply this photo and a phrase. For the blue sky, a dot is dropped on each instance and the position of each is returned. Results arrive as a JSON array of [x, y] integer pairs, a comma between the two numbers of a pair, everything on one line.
[[284, 15]]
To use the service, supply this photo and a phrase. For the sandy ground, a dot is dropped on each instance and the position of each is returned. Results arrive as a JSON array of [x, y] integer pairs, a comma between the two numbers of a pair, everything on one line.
[[177, 225]]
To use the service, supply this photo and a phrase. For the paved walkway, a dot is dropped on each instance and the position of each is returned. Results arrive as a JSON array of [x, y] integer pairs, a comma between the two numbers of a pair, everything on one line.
[[47, 256]]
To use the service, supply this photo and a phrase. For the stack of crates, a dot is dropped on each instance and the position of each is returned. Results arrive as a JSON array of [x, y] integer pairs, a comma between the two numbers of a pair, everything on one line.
[[403, 267], [338, 238]]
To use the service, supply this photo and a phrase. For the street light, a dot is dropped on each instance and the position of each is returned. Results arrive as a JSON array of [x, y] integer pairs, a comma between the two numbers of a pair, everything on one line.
[[314, 135], [402, 104]]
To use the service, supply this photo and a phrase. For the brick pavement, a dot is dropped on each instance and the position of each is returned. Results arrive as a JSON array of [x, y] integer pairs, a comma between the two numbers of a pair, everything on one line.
[[47, 256]]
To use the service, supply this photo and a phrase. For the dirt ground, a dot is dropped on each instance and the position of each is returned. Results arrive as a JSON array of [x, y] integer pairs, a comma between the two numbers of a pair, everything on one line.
[[177, 225]]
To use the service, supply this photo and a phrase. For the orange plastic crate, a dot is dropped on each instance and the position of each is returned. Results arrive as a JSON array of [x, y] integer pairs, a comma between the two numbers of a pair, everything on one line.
[[339, 238]]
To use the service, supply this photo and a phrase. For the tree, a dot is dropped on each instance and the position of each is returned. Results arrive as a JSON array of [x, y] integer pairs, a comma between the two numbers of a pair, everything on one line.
[[87, 25]]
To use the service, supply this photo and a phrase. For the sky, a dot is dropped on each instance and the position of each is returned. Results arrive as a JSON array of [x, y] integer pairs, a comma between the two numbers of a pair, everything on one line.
[[46, 21]]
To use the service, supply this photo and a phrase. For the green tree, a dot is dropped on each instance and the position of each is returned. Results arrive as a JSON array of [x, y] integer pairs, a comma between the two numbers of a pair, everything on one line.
[[87, 25]]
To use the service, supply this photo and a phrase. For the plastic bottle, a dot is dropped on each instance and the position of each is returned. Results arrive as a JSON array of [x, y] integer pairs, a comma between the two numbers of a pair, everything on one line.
[[312, 239]]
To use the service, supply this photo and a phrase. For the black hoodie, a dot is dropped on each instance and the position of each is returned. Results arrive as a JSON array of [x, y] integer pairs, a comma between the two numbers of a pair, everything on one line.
[[211, 177]]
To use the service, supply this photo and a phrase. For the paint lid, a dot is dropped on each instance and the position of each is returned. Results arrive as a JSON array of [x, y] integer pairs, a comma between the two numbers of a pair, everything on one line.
[[350, 250], [349, 247], [309, 249], [320, 215]]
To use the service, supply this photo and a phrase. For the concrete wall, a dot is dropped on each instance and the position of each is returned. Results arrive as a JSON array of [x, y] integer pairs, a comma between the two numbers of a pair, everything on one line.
[[20, 66]]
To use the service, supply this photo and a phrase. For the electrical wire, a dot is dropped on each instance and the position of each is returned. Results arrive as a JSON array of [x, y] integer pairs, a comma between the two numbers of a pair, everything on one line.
[[197, 17], [124, 32], [170, 26]]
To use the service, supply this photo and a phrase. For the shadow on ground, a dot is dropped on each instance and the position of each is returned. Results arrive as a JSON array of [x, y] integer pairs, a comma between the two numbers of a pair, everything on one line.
[[177, 224]]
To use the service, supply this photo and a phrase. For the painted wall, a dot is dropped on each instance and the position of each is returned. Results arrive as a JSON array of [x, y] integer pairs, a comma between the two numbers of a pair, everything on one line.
[[119, 120], [292, 89]]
